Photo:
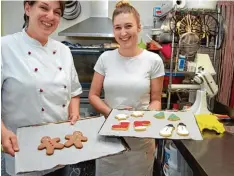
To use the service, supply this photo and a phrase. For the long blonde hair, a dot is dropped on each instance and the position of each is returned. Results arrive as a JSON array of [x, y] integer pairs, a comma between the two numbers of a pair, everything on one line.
[[125, 7]]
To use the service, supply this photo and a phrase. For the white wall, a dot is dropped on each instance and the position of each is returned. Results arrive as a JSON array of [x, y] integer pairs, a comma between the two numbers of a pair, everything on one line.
[[12, 16], [145, 9], [85, 13]]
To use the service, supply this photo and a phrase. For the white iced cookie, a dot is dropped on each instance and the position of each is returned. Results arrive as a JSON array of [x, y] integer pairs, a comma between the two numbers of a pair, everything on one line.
[[140, 128], [121, 117], [182, 130], [167, 130], [137, 114]]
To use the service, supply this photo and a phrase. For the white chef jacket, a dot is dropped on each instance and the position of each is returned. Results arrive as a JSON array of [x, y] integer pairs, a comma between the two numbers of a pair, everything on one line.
[[127, 83], [37, 83]]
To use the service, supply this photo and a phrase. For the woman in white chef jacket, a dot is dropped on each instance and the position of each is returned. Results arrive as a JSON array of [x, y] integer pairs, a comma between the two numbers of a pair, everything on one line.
[[131, 77], [39, 80]]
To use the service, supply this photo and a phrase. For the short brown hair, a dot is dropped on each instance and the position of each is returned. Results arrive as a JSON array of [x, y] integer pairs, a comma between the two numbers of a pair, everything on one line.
[[31, 3], [125, 7]]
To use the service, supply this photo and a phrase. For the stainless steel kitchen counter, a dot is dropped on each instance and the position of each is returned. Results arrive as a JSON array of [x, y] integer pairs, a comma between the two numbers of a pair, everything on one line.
[[213, 156]]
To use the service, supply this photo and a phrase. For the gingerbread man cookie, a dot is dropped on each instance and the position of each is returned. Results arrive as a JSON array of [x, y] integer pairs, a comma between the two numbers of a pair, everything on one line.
[[75, 139], [50, 144]]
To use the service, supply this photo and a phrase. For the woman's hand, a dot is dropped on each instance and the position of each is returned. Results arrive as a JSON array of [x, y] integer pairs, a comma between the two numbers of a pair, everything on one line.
[[74, 110], [9, 142], [73, 118]]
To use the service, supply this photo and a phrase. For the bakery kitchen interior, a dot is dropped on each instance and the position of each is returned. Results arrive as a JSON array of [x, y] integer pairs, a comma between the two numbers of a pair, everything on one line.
[[190, 45]]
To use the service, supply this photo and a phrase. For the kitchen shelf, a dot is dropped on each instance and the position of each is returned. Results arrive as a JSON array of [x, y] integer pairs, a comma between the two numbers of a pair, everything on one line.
[[181, 90], [89, 51], [179, 73], [213, 44]]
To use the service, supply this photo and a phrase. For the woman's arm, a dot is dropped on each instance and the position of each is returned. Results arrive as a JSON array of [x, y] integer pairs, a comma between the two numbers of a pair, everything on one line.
[[94, 95], [74, 109], [156, 87]]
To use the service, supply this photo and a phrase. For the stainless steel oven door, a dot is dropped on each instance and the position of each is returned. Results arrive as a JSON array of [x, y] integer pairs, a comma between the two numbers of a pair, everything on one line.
[[86, 109], [84, 61]]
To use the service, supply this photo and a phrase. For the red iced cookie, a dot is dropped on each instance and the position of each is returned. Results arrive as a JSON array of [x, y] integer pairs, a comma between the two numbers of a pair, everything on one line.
[[146, 122], [141, 123], [121, 126]]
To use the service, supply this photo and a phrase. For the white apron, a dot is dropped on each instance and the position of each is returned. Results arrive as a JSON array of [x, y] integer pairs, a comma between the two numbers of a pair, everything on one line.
[[127, 83], [138, 161]]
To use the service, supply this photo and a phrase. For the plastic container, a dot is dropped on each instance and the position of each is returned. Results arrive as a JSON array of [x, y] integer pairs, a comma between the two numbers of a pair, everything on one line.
[[170, 171], [181, 63], [166, 153], [177, 166], [174, 158]]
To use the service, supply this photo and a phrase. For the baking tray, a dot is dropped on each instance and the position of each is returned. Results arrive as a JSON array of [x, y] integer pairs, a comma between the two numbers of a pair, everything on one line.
[[156, 125]]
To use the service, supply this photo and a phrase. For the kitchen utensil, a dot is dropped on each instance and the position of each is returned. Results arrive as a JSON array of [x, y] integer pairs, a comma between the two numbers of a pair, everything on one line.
[[72, 10], [190, 23], [210, 27]]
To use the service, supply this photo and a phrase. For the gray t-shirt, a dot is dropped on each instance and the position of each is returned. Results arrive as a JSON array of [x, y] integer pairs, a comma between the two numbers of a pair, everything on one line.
[[127, 79]]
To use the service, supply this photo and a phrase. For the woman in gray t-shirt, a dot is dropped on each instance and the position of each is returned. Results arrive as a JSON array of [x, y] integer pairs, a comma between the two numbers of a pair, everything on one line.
[[130, 77]]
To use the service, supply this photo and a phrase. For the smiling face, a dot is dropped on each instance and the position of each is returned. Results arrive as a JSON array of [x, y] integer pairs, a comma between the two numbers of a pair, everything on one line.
[[44, 17], [126, 30]]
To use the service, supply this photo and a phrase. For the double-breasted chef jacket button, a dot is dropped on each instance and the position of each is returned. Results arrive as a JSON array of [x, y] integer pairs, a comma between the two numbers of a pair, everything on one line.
[[64, 105], [41, 90], [60, 68], [42, 109], [35, 69], [54, 52], [65, 86], [29, 53]]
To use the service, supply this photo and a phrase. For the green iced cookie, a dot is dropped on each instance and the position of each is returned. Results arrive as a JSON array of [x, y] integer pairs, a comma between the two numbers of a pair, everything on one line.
[[159, 115], [173, 117]]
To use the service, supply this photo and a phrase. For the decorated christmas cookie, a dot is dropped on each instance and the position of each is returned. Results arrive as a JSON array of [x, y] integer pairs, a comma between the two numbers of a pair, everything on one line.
[[182, 130], [121, 116], [173, 117], [140, 128], [122, 126], [141, 125], [137, 114], [160, 115], [167, 130], [50, 144], [75, 139]]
